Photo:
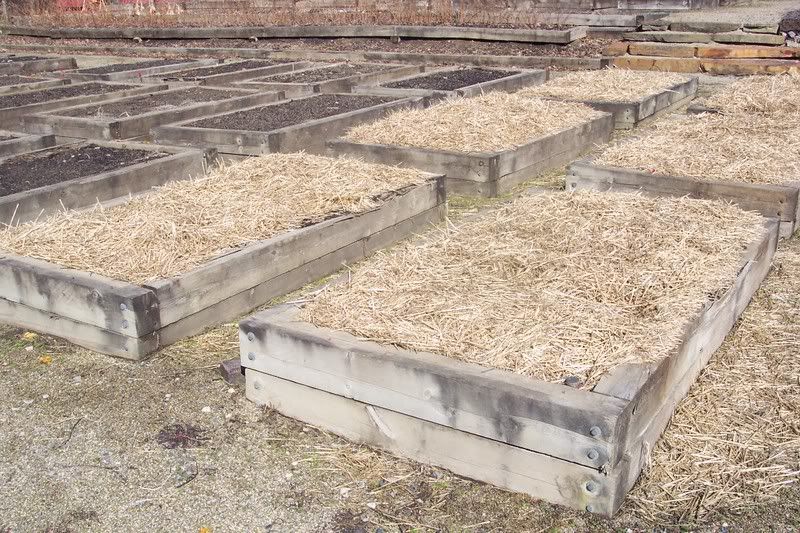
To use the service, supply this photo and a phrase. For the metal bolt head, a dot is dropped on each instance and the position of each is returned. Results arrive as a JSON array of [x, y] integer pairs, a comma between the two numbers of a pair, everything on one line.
[[593, 455], [595, 432], [123, 307], [250, 336], [251, 356], [591, 486], [257, 385], [124, 324], [590, 508]]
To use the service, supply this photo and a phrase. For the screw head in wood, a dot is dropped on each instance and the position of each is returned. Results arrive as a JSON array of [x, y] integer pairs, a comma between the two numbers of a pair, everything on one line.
[[595, 432], [124, 324], [257, 385], [591, 486], [251, 356], [250, 336], [590, 508], [123, 307], [593, 455]]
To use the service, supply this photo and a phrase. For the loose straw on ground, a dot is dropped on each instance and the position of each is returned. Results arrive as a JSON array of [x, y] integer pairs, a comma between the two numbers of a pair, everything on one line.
[[776, 96], [734, 442], [739, 148], [608, 85], [549, 286], [185, 223], [492, 122]]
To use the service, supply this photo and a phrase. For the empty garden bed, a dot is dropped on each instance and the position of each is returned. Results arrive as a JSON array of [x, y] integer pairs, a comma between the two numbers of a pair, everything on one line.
[[484, 145], [229, 72], [78, 175], [541, 346], [137, 70], [134, 116], [128, 279], [631, 96], [34, 64], [16, 83], [291, 125], [751, 160], [340, 77]]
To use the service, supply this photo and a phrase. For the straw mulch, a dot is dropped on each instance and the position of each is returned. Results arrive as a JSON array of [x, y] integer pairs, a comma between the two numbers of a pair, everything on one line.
[[776, 96], [186, 223], [734, 442], [608, 85], [492, 122], [548, 286], [740, 148]]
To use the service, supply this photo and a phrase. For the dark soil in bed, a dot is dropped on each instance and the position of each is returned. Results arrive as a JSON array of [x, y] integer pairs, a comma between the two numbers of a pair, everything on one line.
[[5, 81], [325, 73], [122, 67], [193, 74], [57, 93], [29, 171], [159, 101], [273, 117], [451, 80]]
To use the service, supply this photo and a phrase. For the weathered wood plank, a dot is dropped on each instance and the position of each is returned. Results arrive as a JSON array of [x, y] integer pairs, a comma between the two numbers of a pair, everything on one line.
[[25, 143]]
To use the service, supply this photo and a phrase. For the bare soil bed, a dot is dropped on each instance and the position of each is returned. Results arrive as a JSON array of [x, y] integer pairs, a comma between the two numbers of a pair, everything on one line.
[[122, 67], [193, 74], [273, 117], [29, 171], [57, 93], [151, 102], [451, 80], [325, 73], [15, 79]]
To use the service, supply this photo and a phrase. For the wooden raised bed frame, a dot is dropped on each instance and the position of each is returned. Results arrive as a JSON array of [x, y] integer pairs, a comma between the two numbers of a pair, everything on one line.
[[308, 136], [140, 125], [334, 85], [488, 173], [22, 142], [135, 75], [86, 191], [34, 85], [579, 448], [774, 201], [523, 78], [36, 66], [131, 321], [226, 79]]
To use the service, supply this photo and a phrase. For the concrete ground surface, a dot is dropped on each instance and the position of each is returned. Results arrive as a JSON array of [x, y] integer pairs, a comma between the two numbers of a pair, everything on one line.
[[756, 12]]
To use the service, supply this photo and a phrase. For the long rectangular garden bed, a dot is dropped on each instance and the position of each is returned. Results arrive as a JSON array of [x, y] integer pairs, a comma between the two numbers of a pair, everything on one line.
[[441, 83], [229, 72], [633, 97], [15, 107], [79, 175], [745, 159], [484, 145], [528, 365], [134, 116], [285, 126], [335, 78], [15, 83], [33, 64], [128, 293], [12, 143], [138, 70]]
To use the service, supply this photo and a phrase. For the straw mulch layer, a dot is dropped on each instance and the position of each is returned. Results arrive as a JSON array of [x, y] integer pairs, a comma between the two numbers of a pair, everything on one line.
[[776, 96], [493, 122], [548, 286], [740, 148], [734, 442], [186, 223], [608, 85]]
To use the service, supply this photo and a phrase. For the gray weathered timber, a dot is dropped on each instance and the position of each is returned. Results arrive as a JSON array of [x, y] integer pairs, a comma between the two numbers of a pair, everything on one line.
[[129, 320], [228, 78], [308, 136], [509, 84], [775, 201], [14, 116], [464, 453], [24, 143], [489, 173], [84, 192], [37, 66], [34, 84], [366, 392], [137, 74], [334, 85], [302, 32], [137, 125]]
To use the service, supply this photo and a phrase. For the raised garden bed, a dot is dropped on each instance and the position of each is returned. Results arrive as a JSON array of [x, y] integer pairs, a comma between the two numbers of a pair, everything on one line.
[[15, 107], [78, 175], [458, 82], [462, 140], [12, 143], [632, 97], [229, 72], [16, 83], [34, 64], [763, 96], [742, 159], [138, 70], [287, 126], [530, 403], [272, 251], [134, 116], [339, 77]]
